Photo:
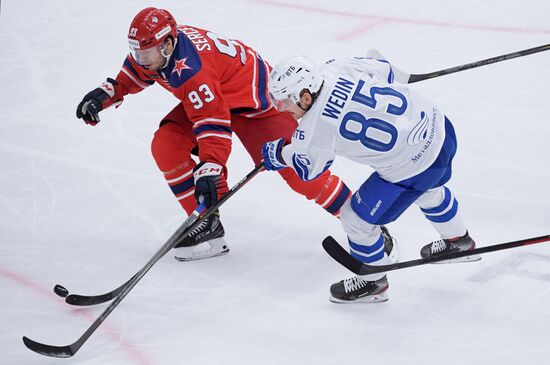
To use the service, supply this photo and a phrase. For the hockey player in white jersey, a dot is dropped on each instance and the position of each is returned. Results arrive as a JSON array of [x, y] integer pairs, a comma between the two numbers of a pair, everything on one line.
[[353, 108]]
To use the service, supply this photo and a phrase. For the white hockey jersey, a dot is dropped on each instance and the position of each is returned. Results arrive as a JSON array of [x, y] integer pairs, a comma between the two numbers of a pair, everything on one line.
[[363, 115]]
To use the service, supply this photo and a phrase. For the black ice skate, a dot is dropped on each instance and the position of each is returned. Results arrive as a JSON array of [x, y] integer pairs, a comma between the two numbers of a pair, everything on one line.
[[204, 241], [359, 290], [446, 246]]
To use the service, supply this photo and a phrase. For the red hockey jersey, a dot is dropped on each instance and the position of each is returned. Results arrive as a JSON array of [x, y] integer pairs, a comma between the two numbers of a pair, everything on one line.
[[213, 77]]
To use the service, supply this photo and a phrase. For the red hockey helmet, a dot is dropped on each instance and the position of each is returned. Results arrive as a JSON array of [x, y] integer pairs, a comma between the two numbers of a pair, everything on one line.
[[150, 27]]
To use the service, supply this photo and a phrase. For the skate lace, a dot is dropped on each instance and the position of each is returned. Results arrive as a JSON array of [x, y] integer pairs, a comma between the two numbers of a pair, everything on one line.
[[438, 246], [354, 283], [199, 228]]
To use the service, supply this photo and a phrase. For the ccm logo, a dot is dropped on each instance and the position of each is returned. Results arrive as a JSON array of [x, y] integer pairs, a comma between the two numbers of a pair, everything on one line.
[[209, 170]]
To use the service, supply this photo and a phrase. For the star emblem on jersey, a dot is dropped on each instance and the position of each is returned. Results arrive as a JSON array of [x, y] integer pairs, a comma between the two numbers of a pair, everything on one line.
[[180, 66]]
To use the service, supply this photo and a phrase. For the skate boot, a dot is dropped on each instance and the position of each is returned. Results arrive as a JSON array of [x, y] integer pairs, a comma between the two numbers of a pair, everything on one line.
[[447, 246], [205, 241], [359, 290]]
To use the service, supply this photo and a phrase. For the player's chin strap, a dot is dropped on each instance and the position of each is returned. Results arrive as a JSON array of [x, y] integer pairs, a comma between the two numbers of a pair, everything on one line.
[[165, 54]]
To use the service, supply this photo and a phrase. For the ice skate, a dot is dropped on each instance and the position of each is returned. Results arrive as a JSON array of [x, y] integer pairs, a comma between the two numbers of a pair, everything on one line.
[[203, 242], [359, 290], [447, 246]]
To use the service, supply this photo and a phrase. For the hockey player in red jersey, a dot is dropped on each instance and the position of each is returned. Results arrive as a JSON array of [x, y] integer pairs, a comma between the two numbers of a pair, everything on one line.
[[222, 88]]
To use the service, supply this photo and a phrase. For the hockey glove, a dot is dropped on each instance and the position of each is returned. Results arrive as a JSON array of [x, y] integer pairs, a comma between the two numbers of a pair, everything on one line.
[[271, 152], [98, 99], [210, 183]]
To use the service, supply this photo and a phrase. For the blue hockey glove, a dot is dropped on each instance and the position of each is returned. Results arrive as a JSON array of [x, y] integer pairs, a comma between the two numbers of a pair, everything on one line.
[[271, 152]]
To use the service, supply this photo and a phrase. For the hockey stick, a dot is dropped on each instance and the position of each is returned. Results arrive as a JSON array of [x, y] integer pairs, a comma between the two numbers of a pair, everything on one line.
[[407, 78], [70, 350], [337, 252], [87, 300]]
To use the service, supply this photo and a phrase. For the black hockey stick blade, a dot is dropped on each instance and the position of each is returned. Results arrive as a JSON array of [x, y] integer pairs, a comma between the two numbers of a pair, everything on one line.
[[70, 350], [87, 300], [338, 253], [48, 350]]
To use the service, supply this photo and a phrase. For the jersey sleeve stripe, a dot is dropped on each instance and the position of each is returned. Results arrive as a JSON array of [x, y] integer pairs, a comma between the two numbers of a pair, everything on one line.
[[262, 84], [254, 80], [341, 198], [390, 74], [331, 196]]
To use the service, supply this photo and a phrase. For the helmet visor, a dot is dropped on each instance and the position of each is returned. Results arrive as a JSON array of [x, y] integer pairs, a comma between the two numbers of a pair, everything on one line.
[[144, 56]]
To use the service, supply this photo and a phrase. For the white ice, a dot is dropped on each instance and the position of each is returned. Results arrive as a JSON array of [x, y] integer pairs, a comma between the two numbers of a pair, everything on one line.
[[86, 207]]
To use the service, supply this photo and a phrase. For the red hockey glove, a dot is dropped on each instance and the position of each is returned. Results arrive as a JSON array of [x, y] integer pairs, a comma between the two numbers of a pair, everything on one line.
[[98, 99], [210, 183]]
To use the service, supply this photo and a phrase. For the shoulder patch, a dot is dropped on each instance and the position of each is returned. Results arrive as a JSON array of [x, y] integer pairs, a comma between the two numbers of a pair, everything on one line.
[[184, 64]]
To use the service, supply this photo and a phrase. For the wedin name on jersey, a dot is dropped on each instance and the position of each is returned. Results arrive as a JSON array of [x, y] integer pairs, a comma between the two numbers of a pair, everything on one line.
[[338, 98]]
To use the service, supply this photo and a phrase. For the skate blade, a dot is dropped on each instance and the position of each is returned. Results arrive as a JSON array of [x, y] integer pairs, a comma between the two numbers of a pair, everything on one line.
[[472, 258], [205, 250], [201, 257], [377, 298]]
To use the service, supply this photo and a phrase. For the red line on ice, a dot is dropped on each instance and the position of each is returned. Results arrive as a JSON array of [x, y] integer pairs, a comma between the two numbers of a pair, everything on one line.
[[117, 337], [381, 20]]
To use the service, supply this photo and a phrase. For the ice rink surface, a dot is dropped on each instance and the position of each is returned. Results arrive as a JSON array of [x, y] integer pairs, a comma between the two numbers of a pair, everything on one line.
[[86, 207]]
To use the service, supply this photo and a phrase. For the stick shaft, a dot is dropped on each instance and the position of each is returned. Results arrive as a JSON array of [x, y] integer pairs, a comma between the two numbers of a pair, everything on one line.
[[420, 77]]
